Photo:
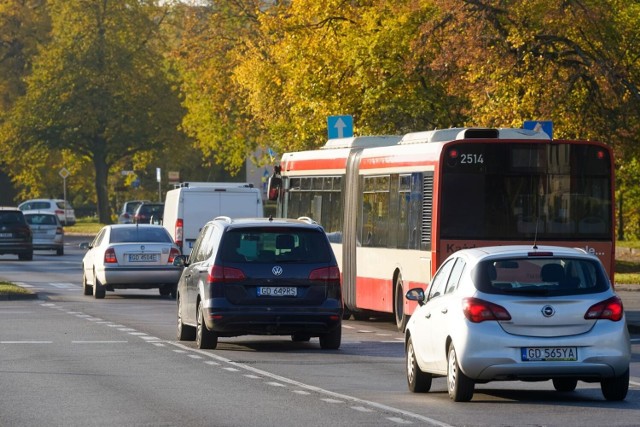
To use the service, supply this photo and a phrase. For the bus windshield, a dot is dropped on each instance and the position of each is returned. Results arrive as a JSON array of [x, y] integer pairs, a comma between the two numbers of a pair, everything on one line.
[[516, 191]]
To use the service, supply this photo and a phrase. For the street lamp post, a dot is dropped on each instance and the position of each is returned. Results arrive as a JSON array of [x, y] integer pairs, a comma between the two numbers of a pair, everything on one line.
[[64, 173]]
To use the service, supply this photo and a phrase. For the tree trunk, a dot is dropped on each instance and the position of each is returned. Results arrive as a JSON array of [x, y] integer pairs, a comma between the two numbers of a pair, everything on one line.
[[102, 191]]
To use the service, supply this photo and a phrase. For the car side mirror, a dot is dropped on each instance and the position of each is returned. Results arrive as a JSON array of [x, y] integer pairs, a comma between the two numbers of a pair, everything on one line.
[[85, 245], [416, 294]]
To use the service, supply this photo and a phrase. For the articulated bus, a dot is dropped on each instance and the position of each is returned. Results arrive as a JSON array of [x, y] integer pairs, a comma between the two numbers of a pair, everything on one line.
[[395, 207]]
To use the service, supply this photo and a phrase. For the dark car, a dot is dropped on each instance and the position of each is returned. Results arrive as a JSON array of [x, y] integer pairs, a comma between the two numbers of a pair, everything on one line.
[[149, 213], [260, 277], [15, 234], [129, 210]]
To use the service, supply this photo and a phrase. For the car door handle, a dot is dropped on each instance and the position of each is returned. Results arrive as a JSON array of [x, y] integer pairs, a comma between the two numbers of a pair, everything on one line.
[[444, 310], [428, 315]]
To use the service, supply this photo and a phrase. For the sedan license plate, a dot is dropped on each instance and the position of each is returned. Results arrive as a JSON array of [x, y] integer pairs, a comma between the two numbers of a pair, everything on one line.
[[277, 291], [5, 235], [549, 354], [144, 257]]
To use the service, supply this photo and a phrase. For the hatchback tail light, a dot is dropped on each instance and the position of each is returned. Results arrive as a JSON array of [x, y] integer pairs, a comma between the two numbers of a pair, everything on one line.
[[610, 309], [178, 231], [59, 230], [110, 256], [477, 310]]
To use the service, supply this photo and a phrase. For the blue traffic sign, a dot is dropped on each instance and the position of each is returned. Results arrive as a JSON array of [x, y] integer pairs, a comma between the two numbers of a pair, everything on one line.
[[340, 126], [539, 125]]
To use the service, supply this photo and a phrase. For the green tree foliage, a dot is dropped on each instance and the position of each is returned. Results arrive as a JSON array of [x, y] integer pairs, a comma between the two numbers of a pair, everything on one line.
[[99, 91]]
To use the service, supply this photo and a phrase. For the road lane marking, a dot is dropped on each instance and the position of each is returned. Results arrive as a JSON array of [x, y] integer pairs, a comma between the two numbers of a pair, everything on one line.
[[281, 379], [26, 342], [99, 342]]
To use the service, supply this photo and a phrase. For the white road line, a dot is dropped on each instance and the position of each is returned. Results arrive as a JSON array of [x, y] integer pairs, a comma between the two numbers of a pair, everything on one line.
[[399, 420], [26, 342], [98, 342], [63, 285], [281, 379], [362, 409]]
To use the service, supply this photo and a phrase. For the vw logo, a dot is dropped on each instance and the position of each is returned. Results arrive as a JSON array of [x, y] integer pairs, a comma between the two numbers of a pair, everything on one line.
[[548, 311], [277, 270]]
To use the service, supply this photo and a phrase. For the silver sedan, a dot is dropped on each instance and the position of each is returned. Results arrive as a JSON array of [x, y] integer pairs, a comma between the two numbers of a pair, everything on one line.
[[518, 313], [130, 256]]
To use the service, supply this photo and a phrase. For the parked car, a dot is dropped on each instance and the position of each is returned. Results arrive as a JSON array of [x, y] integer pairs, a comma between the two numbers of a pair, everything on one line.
[[62, 209], [518, 313], [260, 277], [130, 256], [149, 213], [48, 233], [15, 235], [129, 210]]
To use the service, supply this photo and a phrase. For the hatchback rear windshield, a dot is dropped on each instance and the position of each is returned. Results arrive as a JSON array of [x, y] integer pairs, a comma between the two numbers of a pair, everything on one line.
[[41, 219], [540, 276], [275, 245], [139, 234]]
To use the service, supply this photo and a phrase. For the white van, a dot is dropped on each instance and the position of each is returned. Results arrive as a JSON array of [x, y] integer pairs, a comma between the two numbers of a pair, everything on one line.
[[189, 207]]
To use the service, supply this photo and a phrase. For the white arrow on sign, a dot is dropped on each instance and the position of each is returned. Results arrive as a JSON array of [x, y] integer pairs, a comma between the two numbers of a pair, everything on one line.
[[340, 125]]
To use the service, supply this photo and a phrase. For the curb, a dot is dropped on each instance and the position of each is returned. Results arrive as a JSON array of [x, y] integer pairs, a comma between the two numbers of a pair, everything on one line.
[[19, 297]]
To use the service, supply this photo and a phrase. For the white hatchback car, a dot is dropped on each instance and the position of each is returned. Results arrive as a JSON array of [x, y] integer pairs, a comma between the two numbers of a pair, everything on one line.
[[518, 313], [62, 209]]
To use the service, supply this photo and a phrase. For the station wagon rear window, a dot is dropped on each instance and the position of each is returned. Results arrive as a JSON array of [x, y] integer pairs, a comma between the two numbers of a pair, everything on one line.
[[275, 245]]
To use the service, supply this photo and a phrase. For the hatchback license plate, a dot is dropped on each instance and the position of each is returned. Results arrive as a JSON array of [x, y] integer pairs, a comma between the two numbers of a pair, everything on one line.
[[549, 354], [144, 257], [277, 291]]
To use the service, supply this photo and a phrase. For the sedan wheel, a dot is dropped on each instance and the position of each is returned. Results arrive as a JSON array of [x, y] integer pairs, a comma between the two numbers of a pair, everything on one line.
[[205, 339], [98, 289], [615, 388], [418, 381], [185, 332], [459, 385], [86, 289]]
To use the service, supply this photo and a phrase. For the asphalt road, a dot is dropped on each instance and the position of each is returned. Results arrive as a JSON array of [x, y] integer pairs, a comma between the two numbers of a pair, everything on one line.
[[71, 360]]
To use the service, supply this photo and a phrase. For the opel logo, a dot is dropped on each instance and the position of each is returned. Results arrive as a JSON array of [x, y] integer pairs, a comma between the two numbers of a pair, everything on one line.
[[277, 270], [548, 311], [142, 247]]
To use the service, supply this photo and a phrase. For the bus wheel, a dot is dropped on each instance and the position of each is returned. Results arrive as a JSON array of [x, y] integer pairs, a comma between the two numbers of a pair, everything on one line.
[[401, 317]]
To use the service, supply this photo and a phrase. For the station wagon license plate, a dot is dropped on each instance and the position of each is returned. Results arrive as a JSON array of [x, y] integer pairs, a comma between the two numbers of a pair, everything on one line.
[[549, 354], [144, 257], [277, 291]]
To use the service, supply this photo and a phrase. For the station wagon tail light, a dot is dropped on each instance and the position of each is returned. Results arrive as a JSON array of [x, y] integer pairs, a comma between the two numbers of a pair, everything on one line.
[[178, 231], [219, 274], [610, 309], [110, 256], [325, 273], [477, 310], [172, 255]]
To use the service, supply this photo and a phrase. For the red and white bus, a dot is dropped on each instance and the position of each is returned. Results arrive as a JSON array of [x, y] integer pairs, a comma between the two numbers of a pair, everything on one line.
[[395, 207]]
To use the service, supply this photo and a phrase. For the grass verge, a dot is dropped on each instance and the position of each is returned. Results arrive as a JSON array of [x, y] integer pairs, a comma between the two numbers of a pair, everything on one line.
[[9, 291]]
